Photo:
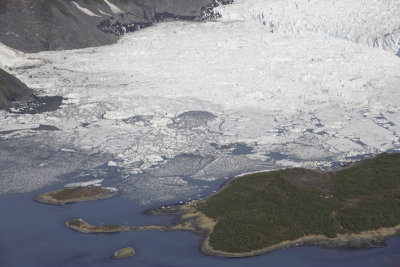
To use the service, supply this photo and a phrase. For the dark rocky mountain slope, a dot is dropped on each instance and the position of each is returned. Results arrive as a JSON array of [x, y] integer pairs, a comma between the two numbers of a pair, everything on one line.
[[33, 26], [12, 90], [40, 25]]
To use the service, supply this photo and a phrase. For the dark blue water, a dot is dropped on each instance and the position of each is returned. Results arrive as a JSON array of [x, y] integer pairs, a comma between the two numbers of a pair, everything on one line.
[[33, 234], [237, 148]]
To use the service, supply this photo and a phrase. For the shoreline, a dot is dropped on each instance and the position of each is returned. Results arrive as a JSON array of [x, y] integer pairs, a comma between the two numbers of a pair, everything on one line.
[[194, 216], [363, 240], [366, 239], [187, 219], [192, 220]]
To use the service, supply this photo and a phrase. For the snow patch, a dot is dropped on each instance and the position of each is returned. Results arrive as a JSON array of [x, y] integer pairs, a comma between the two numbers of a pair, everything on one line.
[[104, 13], [95, 182], [9, 56], [85, 10], [113, 7]]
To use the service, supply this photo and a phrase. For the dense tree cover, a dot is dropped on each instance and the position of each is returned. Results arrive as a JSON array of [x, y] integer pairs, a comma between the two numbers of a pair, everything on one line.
[[259, 210], [368, 176], [77, 192], [371, 214]]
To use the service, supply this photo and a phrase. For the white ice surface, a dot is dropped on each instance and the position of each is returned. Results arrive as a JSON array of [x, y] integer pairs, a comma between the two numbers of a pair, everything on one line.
[[375, 23], [312, 92], [9, 56], [95, 182]]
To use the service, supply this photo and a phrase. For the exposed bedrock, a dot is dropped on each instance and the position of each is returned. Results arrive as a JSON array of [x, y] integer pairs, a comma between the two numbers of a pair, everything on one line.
[[12, 91], [33, 26]]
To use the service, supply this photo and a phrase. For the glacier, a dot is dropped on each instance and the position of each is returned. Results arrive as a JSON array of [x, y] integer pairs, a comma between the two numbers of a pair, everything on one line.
[[375, 23], [304, 83]]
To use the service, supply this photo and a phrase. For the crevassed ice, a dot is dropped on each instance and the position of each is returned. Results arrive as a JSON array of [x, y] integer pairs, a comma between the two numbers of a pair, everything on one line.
[[375, 23]]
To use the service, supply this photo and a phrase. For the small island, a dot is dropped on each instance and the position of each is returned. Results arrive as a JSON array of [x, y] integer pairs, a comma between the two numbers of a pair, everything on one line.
[[123, 253], [357, 206], [84, 227], [76, 194]]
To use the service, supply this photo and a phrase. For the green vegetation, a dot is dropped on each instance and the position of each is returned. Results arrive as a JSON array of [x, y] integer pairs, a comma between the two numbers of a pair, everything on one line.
[[259, 210], [109, 227], [77, 192], [80, 225], [76, 223], [371, 214], [369, 176], [124, 252]]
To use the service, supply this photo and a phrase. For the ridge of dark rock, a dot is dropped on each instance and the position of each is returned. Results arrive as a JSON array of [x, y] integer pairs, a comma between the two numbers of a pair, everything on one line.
[[40, 25], [12, 91]]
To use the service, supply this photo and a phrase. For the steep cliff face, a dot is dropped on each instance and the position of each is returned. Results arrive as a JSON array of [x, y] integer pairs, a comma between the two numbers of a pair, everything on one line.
[[12, 90], [32, 26]]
